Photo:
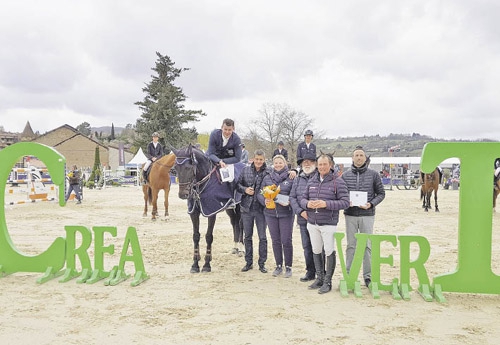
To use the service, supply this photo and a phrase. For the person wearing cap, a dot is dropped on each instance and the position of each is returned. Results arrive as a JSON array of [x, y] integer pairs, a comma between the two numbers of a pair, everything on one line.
[[307, 170], [224, 145], [244, 154], [360, 219], [281, 150], [307, 145], [323, 198], [154, 152]]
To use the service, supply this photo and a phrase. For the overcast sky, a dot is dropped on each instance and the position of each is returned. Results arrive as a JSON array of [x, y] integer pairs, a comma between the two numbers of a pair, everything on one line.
[[355, 67]]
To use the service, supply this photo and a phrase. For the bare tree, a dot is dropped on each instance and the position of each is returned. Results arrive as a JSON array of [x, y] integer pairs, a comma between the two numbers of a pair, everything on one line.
[[280, 122], [293, 125]]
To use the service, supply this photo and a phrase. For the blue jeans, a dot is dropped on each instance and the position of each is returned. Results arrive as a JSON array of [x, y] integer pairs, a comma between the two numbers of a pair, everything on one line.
[[249, 219], [76, 188]]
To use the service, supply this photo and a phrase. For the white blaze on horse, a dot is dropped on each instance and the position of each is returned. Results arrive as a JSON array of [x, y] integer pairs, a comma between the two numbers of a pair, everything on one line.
[[200, 183]]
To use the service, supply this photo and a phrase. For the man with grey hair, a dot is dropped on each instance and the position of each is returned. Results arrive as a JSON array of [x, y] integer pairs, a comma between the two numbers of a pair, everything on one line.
[[360, 218]]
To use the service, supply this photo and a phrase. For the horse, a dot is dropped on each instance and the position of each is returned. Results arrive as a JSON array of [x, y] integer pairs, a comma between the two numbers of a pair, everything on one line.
[[496, 191], [200, 184], [429, 183], [159, 178]]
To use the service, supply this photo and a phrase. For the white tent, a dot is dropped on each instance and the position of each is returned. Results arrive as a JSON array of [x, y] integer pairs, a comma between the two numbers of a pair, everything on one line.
[[139, 159]]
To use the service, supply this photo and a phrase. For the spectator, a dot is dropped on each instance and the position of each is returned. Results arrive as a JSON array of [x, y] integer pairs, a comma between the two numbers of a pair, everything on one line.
[[244, 154], [308, 169], [74, 184], [324, 196], [280, 218], [361, 218], [252, 212]]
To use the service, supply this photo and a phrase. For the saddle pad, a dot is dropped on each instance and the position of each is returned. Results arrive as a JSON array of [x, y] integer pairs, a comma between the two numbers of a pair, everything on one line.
[[217, 196]]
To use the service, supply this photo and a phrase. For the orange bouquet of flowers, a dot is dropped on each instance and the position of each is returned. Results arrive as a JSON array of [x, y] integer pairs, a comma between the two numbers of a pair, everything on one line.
[[270, 192]]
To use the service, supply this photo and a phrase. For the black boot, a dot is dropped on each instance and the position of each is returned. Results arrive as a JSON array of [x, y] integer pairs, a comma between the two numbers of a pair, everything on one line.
[[145, 176], [320, 273], [331, 260]]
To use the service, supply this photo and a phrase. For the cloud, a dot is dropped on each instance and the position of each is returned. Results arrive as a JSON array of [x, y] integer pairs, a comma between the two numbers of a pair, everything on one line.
[[356, 67]]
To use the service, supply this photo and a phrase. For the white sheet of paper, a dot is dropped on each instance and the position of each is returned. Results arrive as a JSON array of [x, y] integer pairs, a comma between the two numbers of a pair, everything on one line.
[[282, 199], [358, 198], [227, 173]]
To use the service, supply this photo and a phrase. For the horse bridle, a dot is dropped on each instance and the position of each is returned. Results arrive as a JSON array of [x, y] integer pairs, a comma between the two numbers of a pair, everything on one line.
[[194, 186]]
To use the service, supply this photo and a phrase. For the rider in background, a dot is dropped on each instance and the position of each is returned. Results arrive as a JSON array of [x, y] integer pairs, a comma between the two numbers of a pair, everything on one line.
[[154, 152]]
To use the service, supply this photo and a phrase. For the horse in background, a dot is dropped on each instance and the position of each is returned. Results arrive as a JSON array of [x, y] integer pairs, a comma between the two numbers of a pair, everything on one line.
[[496, 191], [200, 184], [159, 178], [430, 183]]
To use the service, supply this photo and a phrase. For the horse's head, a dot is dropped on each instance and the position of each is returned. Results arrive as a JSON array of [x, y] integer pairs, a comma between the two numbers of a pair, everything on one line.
[[190, 167]]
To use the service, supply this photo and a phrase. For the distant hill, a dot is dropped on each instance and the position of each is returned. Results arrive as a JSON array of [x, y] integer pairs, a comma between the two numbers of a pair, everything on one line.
[[397, 145]]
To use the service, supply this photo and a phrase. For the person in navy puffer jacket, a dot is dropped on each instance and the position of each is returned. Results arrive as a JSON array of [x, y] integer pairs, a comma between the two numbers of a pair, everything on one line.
[[325, 195], [307, 170], [280, 219]]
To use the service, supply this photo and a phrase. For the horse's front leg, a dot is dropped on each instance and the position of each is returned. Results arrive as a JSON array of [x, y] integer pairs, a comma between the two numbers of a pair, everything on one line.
[[436, 201], [195, 220], [209, 237], [427, 201]]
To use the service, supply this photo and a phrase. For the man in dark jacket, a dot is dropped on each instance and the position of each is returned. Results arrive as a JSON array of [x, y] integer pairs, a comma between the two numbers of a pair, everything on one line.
[[154, 152], [307, 170], [224, 145], [307, 145], [325, 195], [249, 185], [74, 184], [281, 150], [360, 218]]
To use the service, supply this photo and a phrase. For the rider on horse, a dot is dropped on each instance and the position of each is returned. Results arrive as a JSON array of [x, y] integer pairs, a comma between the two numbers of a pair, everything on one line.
[[153, 152]]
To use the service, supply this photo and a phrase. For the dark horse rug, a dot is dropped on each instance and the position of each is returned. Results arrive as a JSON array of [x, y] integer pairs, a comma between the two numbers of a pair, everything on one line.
[[216, 196]]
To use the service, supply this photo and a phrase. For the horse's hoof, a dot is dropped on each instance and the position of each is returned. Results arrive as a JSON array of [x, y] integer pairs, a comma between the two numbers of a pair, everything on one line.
[[195, 270], [153, 219], [437, 210], [206, 269], [234, 251], [144, 215]]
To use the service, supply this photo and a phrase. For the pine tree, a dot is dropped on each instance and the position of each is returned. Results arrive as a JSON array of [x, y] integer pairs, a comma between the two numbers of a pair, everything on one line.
[[163, 109], [95, 175]]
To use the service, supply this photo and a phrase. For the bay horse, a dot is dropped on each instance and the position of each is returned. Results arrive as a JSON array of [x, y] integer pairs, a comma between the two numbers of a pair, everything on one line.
[[200, 184], [429, 183], [159, 178]]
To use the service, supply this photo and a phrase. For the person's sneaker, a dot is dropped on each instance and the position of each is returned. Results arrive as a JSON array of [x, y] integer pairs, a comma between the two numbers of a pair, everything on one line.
[[262, 268], [247, 268], [288, 272], [277, 271], [367, 282]]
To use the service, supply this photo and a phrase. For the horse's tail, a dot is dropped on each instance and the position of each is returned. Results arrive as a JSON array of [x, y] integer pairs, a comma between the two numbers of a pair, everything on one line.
[[421, 192], [150, 195]]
